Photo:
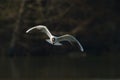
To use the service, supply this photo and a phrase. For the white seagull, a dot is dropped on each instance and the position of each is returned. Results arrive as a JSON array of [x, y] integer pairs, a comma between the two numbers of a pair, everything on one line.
[[54, 40]]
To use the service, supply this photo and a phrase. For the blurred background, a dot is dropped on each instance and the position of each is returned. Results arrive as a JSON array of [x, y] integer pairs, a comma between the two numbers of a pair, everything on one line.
[[95, 23]]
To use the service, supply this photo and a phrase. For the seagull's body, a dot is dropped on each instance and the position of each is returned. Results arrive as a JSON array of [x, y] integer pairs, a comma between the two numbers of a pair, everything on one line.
[[54, 40]]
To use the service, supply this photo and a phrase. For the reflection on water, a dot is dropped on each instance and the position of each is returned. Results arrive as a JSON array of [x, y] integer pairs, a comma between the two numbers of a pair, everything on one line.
[[59, 67]]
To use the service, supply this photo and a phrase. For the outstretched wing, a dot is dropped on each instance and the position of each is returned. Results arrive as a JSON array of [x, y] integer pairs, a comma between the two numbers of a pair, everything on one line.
[[70, 38], [42, 29]]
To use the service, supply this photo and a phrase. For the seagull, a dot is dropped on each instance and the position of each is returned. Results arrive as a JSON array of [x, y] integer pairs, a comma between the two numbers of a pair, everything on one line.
[[54, 40]]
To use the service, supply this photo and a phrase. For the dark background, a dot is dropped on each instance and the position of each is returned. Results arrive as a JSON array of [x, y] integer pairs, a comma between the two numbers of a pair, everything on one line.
[[95, 23]]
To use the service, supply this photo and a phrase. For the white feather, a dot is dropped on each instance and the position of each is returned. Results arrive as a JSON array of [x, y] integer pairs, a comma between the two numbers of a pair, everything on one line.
[[66, 37]]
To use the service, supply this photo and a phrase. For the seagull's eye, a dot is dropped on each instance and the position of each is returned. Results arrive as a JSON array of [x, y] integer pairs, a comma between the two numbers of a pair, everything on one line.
[[53, 39]]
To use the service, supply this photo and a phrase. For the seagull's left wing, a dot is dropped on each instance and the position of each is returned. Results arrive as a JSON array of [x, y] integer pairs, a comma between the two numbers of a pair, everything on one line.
[[70, 38], [42, 29]]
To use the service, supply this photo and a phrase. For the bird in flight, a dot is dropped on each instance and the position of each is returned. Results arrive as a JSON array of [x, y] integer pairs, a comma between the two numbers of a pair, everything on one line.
[[54, 40]]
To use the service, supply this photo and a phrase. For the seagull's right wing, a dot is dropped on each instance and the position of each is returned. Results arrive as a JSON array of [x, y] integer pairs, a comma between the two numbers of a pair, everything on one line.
[[42, 29], [70, 38]]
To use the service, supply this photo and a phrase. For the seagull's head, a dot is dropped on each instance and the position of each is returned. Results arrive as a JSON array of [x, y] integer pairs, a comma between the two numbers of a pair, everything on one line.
[[53, 40]]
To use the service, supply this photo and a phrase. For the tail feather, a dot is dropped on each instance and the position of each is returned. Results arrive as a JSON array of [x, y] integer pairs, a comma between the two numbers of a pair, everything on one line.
[[48, 40], [58, 44]]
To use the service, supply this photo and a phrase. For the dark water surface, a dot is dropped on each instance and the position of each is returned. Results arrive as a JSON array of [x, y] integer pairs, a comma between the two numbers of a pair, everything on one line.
[[59, 67]]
